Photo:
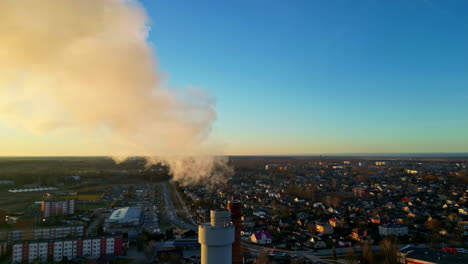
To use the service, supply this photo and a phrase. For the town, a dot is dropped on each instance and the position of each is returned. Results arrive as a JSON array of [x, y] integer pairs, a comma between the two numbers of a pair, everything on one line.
[[289, 210]]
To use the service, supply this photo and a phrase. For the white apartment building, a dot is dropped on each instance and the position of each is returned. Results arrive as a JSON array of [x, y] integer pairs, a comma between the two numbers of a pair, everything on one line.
[[54, 232], [59, 207], [67, 249]]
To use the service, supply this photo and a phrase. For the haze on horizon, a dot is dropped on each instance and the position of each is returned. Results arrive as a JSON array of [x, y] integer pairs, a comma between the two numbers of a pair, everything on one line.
[[316, 77]]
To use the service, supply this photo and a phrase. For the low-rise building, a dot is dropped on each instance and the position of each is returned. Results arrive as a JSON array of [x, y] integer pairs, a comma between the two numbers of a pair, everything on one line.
[[361, 192], [324, 228], [123, 219], [261, 238], [393, 229]]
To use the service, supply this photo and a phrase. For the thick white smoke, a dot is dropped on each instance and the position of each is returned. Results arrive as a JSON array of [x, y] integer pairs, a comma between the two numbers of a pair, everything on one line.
[[87, 64]]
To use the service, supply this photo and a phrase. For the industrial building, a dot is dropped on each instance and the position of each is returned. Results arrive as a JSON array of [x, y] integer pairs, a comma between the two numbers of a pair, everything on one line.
[[124, 219], [216, 238], [66, 249]]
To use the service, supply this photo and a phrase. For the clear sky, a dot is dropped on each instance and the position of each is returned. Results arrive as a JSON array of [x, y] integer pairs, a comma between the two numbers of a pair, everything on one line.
[[310, 76], [300, 77]]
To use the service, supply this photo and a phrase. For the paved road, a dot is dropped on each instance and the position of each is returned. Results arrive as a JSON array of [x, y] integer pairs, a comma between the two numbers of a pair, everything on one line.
[[184, 206], [171, 211], [322, 255], [305, 253], [95, 223]]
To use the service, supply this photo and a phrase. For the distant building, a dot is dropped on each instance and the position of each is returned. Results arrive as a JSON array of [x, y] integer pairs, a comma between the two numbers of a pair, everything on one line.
[[73, 178], [412, 171], [271, 166], [66, 250], [7, 182], [41, 189], [361, 192], [375, 220], [261, 238], [58, 207], [123, 219], [324, 228], [55, 232], [393, 229]]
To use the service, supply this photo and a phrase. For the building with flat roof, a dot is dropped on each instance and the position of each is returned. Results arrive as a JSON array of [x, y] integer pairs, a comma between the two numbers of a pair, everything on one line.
[[54, 232], [66, 249], [123, 219], [58, 207], [413, 255], [393, 229]]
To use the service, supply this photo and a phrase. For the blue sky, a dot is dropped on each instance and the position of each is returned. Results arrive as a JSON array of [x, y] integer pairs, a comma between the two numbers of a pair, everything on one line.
[[288, 77], [297, 77]]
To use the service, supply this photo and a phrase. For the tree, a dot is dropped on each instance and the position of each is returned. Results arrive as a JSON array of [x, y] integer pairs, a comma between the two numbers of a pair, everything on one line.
[[245, 252], [261, 259], [334, 253], [297, 261], [312, 229], [284, 212], [367, 253], [389, 249], [351, 256]]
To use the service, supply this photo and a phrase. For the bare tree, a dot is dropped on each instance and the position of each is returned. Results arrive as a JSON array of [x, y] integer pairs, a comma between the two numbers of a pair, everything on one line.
[[389, 249]]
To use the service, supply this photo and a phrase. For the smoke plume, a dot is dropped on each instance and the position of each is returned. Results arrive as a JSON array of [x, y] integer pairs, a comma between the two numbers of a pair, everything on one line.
[[87, 65]]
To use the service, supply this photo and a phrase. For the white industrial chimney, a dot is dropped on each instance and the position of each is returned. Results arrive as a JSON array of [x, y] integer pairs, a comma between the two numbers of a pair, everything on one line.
[[216, 238]]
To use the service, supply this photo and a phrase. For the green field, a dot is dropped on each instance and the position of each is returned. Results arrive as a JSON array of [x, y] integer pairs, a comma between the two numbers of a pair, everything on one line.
[[83, 197], [90, 206], [18, 202]]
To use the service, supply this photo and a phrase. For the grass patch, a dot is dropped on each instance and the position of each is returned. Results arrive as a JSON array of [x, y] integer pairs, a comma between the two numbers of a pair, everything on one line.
[[18, 202], [90, 206], [82, 197]]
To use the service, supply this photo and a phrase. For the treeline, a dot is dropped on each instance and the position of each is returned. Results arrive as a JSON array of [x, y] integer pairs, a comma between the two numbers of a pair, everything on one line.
[[49, 171]]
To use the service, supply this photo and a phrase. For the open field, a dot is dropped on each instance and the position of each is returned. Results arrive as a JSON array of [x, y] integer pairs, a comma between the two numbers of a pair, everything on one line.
[[90, 206], [18, 202], [83, 197]]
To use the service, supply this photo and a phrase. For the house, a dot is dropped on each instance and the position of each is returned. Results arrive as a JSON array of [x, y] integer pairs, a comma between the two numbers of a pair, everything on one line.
[[324, 228], [261, 238], [375, 220], [316, 243]]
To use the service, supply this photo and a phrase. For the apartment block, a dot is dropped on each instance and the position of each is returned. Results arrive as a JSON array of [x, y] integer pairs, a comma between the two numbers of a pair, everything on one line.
[[66, 249], [58, 207]]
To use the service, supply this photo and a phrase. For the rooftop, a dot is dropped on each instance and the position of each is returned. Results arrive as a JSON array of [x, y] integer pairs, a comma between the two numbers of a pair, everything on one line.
[[125, 214]]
